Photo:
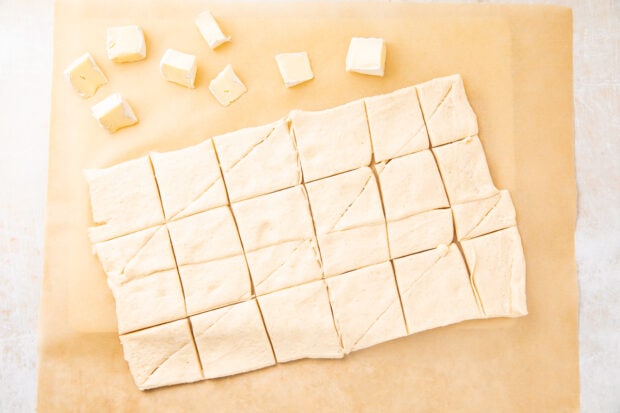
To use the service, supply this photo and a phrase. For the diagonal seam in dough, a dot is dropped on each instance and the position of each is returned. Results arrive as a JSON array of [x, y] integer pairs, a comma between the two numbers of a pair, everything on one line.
[[196, 199], [351, 204], [142, 247], [375, 321], [474, 287], [499, 198], [424, 274], [415, 135], [202, 333], [164, 361], [252, 148], [297, 247], [441, 102]]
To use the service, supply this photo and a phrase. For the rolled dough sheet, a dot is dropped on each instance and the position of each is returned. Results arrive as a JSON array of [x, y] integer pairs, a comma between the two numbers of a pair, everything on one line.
[[475, 218], [189, 180], [232, 340], [300, 324], [435, 289], [448, 114], [366, 307], [420, 232], [349, 221], [497, 267], [124, 199], [258, 160], [465, 171], [324, 136], [396, 124], [162, 355]]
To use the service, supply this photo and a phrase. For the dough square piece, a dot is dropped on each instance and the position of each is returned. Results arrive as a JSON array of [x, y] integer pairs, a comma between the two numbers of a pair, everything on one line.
[[420, 232], [480, 217], [285, 265], [147, 301], [324, 136], [189, 180], [232, 340], [85, 76], [124, 199], [137, 254], [125, 44], [465, 171], [497, 268], [366, 307], [410, 185], [274, 218], [349, 221], [396, 124], [216, 283], [206, 236], [259, 160], [300, 324], [162, 355], [448, 114], [435, 289]]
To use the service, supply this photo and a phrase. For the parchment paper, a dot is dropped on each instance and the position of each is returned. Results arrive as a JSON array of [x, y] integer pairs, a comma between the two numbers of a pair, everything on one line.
[[517, 66]]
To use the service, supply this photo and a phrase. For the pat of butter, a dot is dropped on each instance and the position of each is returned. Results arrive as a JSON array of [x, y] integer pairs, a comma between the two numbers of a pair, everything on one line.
[[126, 44], [366, 55], [294, 68], [114, 113], [210, 30], [179, 67], [85, 76], [227, 87]]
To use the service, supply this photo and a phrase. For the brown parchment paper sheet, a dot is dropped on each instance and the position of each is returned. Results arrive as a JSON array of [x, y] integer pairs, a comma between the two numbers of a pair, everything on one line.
[[517, 65]]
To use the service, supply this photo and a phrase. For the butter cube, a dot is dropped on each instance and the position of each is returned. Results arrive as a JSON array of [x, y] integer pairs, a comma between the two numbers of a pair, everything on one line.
[[85, 76], [114, 113], [179, 68], [366, 55], [294, 68], [227, 87], [210, 30], [126, 44]]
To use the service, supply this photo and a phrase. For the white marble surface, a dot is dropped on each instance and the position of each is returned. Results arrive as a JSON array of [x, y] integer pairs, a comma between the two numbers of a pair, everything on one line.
[[25, 68]]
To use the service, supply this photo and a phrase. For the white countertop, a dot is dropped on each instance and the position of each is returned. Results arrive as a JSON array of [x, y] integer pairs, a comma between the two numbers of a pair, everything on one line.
[[25, 73]]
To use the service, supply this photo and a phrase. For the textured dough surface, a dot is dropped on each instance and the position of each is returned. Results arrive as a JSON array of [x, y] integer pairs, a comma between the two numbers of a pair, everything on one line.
[[232, 340], [349, 220], [257, 161], [162, 355], [189, 180], [435, 289], [300, 323], [396, 124], [366, 307], [324, 136], [497, 267], [476, 218]]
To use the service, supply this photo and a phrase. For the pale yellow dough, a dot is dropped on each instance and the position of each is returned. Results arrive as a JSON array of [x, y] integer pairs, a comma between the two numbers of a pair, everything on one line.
[[497, 268], [465, 171], [435, 289], [189, 180], [205, 237], [124, 199], [366, 307], [232, 340], [162, 355], [448, 114], [475, 218], [420, 232], [396, 124], [259, 160], [349, 221], [323, 137], [216, 283], [300, 323]]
